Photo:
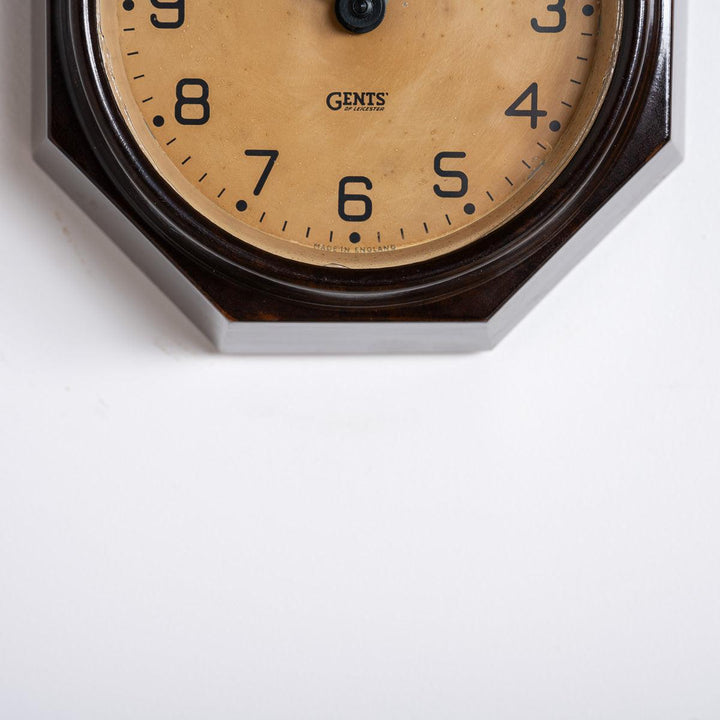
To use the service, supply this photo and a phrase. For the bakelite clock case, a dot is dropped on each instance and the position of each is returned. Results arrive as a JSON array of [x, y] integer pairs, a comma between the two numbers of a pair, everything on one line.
[[255, 302]]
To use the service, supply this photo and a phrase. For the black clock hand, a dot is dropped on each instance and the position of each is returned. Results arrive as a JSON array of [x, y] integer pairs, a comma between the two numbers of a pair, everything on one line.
[[360, 16]]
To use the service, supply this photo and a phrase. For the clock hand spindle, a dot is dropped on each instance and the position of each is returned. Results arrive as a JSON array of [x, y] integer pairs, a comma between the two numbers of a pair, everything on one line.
[[360, 16]]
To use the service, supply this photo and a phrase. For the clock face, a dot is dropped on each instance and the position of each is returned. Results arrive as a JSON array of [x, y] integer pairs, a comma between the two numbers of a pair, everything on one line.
[[338, 135]]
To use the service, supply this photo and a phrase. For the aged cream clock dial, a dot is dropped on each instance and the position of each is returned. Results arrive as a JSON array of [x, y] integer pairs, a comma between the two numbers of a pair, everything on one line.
[[281, 124]]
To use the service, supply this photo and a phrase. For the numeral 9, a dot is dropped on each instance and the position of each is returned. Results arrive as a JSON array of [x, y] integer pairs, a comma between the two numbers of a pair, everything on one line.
[[177, 5]]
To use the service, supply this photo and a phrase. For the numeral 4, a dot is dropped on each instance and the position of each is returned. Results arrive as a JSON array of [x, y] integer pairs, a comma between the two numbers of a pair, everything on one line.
[[516, 109]]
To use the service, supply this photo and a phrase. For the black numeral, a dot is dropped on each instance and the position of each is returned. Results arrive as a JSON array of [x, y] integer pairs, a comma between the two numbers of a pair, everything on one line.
[[344, 197], [272, 156], [193, 106], [559, 8], [177, 5], [455, 174], [515, 110]]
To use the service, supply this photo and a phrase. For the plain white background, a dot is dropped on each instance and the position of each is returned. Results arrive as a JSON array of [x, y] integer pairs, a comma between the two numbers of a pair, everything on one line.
[[526, 533]]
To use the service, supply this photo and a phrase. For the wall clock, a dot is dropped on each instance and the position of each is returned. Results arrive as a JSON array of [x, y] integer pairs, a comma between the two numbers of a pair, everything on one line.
[[356, 175]]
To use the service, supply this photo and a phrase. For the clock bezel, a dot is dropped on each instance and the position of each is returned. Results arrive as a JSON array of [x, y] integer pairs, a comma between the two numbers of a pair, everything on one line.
[[176, 223]]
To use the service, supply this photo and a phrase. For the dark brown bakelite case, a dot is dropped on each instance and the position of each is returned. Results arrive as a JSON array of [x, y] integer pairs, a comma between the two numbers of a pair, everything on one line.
[[250, 301]]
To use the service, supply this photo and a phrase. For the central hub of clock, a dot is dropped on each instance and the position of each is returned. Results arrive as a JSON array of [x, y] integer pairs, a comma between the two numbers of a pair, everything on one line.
[[360, 16]]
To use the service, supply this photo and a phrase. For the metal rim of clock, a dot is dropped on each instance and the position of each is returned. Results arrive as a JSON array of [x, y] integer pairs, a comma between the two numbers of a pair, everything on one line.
[[175, 222]]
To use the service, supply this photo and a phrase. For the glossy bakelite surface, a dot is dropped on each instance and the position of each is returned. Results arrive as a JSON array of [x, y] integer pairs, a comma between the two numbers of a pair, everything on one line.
[[361, 151]]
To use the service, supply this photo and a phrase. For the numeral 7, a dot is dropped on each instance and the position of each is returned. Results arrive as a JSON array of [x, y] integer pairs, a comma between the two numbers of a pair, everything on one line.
[[272, 156]]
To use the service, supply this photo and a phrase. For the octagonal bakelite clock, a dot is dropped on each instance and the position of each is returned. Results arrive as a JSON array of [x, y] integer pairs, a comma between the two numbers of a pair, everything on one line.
[[356, 175]]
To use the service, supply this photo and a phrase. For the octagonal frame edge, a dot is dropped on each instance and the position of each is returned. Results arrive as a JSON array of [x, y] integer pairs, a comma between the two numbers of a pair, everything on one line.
[[233, 334]]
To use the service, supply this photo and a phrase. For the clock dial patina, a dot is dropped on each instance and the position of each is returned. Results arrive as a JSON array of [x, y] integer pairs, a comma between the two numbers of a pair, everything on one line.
[[359, 149]]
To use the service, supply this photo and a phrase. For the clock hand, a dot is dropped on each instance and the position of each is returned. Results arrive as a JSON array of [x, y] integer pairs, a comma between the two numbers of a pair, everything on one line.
[[360, 16]]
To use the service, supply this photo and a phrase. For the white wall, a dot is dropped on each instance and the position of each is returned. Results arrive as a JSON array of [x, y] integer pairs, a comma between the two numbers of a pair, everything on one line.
[[527, 533]]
